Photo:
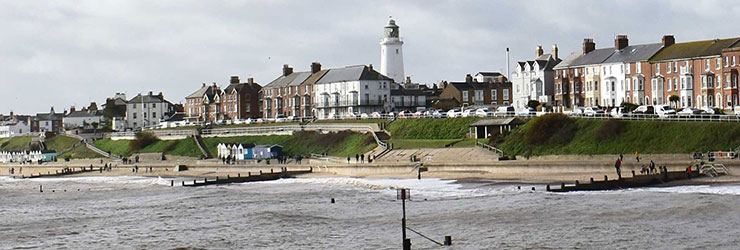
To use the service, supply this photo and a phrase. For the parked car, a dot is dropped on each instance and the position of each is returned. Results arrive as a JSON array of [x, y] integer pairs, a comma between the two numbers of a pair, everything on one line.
[[483, 112], [664, 111], [280, 118], [364, 116], [576, 111], [644, 110], [452, 113], [376, 115], [467, 113], [690, 112], [505, 111], [617, 112], [527, 112], [593, 111]]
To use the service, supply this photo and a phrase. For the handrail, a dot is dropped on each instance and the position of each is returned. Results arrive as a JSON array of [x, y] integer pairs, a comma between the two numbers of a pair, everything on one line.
[[489, 147]]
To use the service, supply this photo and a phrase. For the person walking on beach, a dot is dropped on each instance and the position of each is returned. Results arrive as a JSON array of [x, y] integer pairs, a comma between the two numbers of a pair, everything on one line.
[[357, 158], [348, 158], [621, 157], [618, 166], [362, 158], [637, 156], [652, 167]]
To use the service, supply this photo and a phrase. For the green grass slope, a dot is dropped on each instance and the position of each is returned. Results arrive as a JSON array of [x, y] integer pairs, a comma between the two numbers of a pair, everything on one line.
[[614, 137], [339, 144], [183, 147], [428, 128], [18, 143]]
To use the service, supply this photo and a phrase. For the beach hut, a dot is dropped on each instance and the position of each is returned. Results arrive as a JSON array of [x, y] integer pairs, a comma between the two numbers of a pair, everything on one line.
[[486, 128], [267, 151], [49, 155]]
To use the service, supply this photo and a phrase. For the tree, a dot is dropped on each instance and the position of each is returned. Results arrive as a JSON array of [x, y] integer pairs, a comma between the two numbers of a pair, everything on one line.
[[95, 126], [674, 99], [533, 104]]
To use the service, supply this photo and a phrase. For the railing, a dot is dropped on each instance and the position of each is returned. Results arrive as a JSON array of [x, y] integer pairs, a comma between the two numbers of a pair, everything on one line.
[[349, 103], [262, 130], [489, 147]]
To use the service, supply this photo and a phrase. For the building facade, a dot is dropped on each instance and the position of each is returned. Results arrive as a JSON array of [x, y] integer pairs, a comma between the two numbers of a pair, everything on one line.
[[147, 110], [352, 90], [534, 80], [472, 93], [241, 100], [204, 105]]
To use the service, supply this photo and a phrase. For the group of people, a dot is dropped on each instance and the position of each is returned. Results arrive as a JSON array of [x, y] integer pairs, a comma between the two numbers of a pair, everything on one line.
[[650, 169], [359, 158], [618, 165]]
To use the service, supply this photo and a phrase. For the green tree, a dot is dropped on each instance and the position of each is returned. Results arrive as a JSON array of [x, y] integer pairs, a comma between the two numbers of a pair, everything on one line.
[[674, 100], [533, 104]]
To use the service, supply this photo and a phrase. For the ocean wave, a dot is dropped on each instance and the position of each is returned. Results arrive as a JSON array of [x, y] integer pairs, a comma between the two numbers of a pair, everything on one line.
[[120, 180], [699, 189], [428, 188]]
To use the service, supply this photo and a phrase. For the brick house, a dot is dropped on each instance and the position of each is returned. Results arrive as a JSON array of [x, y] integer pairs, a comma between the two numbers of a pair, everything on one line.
[[474, 93], [698, 66], [48, 122], [241, 100], [578, 76], [730, 68], [204, 104], [291, 93]]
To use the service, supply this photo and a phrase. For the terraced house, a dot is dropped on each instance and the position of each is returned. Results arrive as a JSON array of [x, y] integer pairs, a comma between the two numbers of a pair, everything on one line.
[[578, 76], [241, 100], [621, 74], [204, 104], [473, 93], [291, 94], [694, 73], [534, 80]]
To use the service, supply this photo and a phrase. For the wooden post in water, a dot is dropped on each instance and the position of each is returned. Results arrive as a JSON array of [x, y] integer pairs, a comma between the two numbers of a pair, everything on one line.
[[448, 241], [633, 173], [548, 187], [172, 183], [562, 185], [577, 183], [605, 178], [592, 180]]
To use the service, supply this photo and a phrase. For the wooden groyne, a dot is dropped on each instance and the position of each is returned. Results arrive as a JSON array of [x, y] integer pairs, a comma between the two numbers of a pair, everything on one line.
[[642, 180], [239, 178], [63, 172]]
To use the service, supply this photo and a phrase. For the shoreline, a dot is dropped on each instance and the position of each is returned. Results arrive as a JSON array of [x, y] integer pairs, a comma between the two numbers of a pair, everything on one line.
[[515, 172]]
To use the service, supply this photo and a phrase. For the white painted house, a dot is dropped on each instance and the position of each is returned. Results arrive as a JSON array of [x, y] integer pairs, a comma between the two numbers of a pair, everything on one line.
[[147, 111], [15, 126], [352, 90], [616, 85], [535, 80]]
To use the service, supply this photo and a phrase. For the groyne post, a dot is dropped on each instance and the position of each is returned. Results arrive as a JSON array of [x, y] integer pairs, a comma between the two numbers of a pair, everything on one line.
[[172, 183], [633, 173], [548, 187], [577, 183], [606, 178], [448, 240], [592, 180], [562, 185]]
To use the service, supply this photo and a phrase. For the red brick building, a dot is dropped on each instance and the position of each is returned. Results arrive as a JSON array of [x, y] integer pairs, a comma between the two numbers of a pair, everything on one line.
[[241, 100]]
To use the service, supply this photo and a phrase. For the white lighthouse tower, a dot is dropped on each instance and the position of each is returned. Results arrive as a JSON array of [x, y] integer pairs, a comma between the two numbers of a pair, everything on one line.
[[391, 53]]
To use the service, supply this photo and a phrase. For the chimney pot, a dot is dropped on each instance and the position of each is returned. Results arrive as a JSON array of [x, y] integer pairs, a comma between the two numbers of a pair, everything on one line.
[[287, 70], [315, 67], [250, 80], [588, 45], [668, 40], [151, 93], [234, 79], [621, 42], [538, 51], [555, 51], [468, 78]]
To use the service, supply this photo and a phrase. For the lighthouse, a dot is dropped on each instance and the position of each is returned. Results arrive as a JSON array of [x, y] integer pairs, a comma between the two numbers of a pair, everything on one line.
[[391, 53]]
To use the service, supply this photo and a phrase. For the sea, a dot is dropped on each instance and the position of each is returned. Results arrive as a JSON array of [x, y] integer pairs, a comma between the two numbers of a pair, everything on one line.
[[132, 212]]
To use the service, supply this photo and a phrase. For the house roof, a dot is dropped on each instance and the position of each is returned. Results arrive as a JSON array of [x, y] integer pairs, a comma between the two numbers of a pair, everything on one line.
[[497, 122], [568, 61], [594, 57], [351, 73], [694, 49], [635, 53], [488, 73], [294, 79], [239, 87], [176, 117], [147, 99], [208, 90], [81, 113], [49, 116]]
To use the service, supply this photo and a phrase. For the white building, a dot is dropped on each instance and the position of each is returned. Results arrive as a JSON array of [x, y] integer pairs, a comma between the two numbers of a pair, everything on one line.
[[147, 110], [81, 118], [391, 53], [352, 90], [15, 126], [615, 72], [535, 80]]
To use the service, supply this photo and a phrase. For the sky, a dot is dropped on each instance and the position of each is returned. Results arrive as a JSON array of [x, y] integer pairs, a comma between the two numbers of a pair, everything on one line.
[[65, 53]]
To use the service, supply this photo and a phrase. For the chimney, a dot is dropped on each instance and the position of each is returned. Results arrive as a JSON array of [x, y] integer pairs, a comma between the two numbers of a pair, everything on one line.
[[408, 80], [588, 45], [151, 93], [507, 63], [315, 67], [160, 94], [287, 70], [214, 84], [538, 52], [468, 78], [52, 110], [234, 80], [554, 52], [204, 85], [11, 114], [370, 67], [621, 42], [72, 109], [668, 40], [250, 80]]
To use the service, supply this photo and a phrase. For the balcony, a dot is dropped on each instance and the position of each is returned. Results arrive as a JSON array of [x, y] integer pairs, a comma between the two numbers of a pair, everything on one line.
[[349, 103]]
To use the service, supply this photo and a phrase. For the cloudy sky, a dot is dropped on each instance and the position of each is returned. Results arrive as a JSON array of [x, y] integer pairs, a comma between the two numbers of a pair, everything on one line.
[[64, 53]]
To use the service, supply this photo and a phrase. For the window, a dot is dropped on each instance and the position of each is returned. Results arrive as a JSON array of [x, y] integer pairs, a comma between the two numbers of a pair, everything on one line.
[[154, 114], [479, 95], [154, 105], [706, 64], [675, 83], [727, 61], [675, 66], [628, 68], [506, 94], [596, 85], [733, 60], [396, 51], [657, 69], [669, 83], [638, 68], [718, 63], [494, 95], [668, 67], [465, 96], [144, 105], [628, 85], [134, 115], [719, 82], [134, 105]]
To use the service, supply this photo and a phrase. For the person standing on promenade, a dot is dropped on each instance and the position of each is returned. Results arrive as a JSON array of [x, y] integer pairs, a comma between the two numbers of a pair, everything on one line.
[[618, 166], [348, 158], [637, 156], [652, 167], [621, 157], [357, 158], [362, 158]]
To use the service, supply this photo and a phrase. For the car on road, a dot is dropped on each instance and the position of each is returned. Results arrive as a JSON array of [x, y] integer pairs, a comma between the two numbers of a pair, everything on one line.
[[483, 112], [644, 111], [576, 111], [527, 112], [618, 112], [664, 111], [690, 112], [505, 111], [593, 111]]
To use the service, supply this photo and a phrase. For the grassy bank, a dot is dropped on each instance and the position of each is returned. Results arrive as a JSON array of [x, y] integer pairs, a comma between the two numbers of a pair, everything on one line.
[[589, 136], [183, 147], [17, 143], [305, 143], [428, 128]]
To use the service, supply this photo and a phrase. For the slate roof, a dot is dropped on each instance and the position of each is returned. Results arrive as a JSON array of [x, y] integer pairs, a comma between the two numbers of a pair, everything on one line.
[[635, 53], [594, 57], [147, 99], [497, 122], [208, 90], [568, 61], [81, 113], [239, 87], [49, 116], [694, 49], [489, 73], [351, 73], [294, 79]]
